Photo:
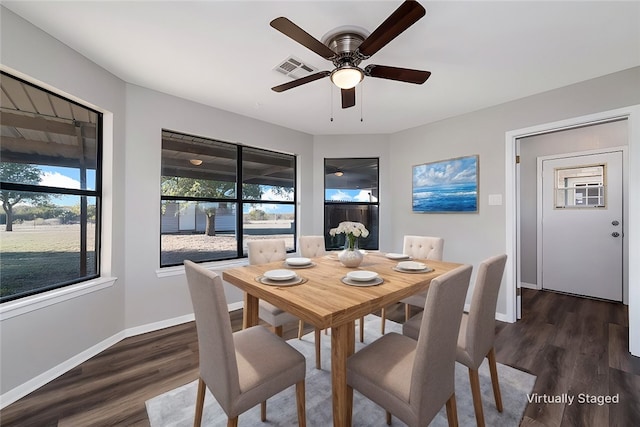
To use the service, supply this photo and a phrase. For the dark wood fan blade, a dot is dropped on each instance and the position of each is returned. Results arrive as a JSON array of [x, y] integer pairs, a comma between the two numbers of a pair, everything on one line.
[[299, 82], [348, 97], [405, 16], [394, 73], [296, 33]]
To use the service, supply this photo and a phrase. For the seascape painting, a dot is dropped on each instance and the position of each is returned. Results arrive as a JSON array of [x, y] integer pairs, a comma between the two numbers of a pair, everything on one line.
[[446, 186]]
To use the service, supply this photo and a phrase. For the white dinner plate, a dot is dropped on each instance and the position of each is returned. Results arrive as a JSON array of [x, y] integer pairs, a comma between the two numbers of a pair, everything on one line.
[[425, 270], [397, 256], [298, 261], [280, 274], [411, 265], [375, 282], [295, 281], [362, 275]]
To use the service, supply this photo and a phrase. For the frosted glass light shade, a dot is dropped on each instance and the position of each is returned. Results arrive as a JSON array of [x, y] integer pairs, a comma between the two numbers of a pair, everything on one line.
[[347, 77]]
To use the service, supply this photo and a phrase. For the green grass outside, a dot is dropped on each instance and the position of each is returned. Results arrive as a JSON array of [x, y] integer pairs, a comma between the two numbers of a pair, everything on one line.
[[33, 257]]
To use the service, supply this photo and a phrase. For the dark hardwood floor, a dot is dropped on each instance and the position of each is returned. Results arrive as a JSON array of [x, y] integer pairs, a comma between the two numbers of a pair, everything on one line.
[[573, 345]]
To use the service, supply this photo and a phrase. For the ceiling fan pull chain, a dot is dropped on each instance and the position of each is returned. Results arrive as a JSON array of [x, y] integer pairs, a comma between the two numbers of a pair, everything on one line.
[[361, 103], [331, 90]]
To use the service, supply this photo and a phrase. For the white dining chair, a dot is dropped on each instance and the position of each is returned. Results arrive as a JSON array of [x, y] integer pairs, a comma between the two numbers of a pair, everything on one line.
[[312, 246], [262, 252], [240, 369], [413, 379], [477, 331], [417, 247]]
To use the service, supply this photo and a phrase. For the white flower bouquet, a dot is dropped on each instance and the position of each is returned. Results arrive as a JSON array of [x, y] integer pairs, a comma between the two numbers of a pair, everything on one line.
[[352, 231]]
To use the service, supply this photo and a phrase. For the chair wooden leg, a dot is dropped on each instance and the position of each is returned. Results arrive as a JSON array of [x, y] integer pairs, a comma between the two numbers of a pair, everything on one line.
[[278, 330], [383, 317], [407, 312], [301, 402], [494, 379], [300, 329], [388, 418], [317, 339], [232, 422], [474, 379], [362, 329], [263, 411], [202, 388], [452, 411]]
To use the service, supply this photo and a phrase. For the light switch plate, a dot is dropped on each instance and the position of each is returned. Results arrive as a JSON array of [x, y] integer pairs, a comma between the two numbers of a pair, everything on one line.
[[495, 199]]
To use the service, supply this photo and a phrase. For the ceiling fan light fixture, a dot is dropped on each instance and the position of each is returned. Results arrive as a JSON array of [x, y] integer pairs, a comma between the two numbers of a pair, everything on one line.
[[195, 162], [338, 173], [347, 77]]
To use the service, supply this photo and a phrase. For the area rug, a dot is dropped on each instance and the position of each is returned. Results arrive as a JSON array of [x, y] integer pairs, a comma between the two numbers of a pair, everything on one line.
[[177, 407]]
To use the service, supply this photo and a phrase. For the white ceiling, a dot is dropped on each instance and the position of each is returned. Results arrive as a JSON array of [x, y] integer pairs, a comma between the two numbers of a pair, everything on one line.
[[222, 53]]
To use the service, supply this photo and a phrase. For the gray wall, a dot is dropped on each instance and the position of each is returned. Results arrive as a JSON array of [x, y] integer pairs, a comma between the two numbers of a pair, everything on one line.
[[151, 296], [36, 342], [471, 238]]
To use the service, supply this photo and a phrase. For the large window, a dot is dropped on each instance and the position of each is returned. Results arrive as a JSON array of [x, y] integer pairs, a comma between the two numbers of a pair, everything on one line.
[[216, 196], [351, 194], [50, 190]]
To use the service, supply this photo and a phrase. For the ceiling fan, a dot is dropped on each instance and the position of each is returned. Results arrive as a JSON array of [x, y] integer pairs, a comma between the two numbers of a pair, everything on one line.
[[346, 48]]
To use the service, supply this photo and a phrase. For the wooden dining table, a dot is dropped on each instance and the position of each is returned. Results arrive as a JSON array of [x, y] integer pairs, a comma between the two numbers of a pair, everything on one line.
[[324, 301]]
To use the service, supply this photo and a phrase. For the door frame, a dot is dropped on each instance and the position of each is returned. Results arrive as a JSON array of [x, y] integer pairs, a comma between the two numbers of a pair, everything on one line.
[[625, 258], [512, 268]]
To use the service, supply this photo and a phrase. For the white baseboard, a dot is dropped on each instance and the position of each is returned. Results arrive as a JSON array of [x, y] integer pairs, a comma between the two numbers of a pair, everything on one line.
[[150, 327], [35, 383], [530, 286], [503, 318], [235, 306]]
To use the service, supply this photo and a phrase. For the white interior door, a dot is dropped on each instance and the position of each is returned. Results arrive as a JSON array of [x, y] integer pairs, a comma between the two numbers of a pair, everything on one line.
[[582, 225]]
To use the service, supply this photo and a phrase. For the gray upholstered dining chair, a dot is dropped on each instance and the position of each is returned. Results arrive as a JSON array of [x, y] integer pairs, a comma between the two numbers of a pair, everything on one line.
[[240, 369], [477, 330], [414, 379], [262, 252], [417, 247]]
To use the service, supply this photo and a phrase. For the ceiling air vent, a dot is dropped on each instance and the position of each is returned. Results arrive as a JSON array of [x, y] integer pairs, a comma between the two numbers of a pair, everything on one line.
[[295, 68]]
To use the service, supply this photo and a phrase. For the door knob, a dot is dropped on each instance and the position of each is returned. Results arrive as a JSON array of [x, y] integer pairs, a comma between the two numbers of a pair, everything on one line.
[[614, 222], [615, 234]]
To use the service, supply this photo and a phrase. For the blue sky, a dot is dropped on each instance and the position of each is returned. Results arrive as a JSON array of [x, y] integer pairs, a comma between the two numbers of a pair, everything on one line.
[[65, 178], [349, 195], [335, 195]]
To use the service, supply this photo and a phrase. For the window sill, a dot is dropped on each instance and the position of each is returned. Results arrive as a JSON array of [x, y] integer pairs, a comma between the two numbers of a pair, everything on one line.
[[36, 302], [213, 265]]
